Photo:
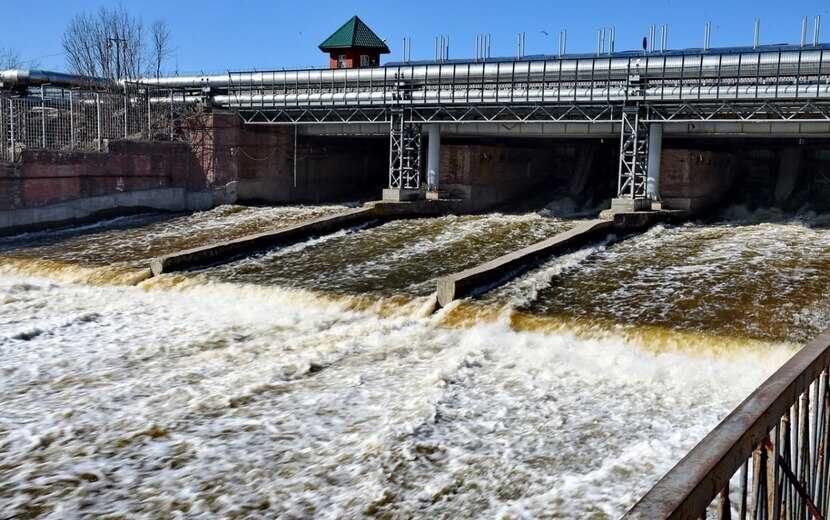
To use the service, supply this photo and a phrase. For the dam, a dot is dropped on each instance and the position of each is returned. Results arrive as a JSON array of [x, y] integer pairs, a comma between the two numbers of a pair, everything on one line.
[[168, 351]]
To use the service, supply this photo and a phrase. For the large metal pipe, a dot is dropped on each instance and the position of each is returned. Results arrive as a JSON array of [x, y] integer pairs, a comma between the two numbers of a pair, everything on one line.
[[757, 64], [30, 77], [711, 65], [464, 96]]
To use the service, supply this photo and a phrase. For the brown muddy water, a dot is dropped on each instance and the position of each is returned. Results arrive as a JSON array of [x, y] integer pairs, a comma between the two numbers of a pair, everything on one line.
[[315, 380]]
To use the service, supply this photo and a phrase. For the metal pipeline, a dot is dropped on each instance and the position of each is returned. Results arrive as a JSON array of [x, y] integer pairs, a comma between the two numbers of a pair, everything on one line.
[[710, 65], [28, 77], [518, 96]]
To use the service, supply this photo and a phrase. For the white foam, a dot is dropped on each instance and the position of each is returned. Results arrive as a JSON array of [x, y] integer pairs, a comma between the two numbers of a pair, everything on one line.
[[226, 399]]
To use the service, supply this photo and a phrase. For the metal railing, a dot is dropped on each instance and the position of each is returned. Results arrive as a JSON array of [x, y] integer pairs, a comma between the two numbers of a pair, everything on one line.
[[767, 460], [75, 119]]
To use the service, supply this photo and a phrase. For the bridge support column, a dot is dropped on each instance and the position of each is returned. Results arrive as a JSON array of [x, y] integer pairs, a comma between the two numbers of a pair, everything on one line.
[[404, 158], [655, 148], [433, 156], [634, 141]]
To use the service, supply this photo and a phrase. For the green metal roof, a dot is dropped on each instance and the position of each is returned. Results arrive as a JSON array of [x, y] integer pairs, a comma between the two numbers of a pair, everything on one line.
[[354, 34]]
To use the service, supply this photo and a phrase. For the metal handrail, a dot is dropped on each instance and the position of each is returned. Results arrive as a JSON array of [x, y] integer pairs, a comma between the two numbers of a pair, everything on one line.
[[783, 427]]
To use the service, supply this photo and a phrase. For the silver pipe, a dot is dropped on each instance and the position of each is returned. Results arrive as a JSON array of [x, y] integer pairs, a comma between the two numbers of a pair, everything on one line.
[[664, 38], [463, 96], [816, 31], [30, 77], [749, 64], [707, 35], [651, 34], [564, 42], [804, 31], [757, 33], [611, 43]]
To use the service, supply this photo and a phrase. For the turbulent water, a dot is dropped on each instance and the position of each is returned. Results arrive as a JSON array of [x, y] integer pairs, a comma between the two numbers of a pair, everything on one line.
[[315, 380]]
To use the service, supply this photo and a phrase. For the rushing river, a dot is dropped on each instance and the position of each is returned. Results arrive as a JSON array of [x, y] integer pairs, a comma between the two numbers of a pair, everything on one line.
[[316, 381]]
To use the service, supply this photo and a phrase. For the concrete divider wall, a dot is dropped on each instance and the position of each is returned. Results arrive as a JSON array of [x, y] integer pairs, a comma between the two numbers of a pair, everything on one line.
[[482, 277], [212, 253]]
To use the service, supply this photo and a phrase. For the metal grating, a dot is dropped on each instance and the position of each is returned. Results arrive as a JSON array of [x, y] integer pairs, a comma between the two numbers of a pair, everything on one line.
[[633, 155], [71, 119]]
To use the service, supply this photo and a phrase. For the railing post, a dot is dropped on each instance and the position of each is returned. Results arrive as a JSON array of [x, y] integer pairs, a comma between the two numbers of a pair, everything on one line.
[[126, 110], [149, 115], [42, 117], [12, 129], [171, 115], [71, 122], [98, 119]]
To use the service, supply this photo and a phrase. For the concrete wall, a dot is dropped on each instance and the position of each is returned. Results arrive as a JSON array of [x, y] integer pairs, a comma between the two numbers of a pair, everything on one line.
[[488, 176], [695, 180]]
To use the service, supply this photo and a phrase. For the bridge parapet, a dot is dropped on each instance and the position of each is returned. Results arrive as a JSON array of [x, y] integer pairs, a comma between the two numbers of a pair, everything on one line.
[[768, 459]]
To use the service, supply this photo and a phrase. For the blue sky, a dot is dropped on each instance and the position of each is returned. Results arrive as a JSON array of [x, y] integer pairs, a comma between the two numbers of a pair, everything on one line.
[[214, 36]]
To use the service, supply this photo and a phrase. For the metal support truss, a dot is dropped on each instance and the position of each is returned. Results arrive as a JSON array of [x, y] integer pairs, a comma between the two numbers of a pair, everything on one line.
[[633, 155], [404, 151]]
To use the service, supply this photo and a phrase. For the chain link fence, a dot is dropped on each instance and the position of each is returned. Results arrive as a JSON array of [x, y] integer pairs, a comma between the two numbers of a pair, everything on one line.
[[74, 119]]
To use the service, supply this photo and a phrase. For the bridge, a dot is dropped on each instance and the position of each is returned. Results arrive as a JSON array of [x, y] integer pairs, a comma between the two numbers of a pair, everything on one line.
[[636, 96]]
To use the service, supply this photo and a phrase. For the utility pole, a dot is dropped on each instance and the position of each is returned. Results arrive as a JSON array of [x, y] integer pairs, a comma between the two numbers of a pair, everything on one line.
[[118, 43]]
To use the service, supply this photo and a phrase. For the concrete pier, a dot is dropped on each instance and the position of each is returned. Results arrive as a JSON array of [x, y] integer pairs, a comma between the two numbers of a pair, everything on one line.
[[222, 251], [482, 278], [225, 250]]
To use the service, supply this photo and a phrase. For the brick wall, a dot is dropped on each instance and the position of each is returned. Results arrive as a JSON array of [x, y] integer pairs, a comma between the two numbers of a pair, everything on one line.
[[46, 176]]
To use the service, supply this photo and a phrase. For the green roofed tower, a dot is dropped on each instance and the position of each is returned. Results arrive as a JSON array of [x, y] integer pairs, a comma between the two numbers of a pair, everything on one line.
[[354, 46]]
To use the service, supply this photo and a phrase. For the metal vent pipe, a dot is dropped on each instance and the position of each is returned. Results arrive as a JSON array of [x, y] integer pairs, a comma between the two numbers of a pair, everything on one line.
[[707, 35], [816, 31], [652, 32], [757, 33]]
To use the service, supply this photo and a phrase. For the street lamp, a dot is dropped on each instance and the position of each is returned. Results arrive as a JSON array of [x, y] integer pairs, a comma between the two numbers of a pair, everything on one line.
[[118, 43]]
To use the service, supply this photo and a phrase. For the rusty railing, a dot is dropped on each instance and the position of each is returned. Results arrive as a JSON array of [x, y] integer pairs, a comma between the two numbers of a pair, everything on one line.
[[767, 460]]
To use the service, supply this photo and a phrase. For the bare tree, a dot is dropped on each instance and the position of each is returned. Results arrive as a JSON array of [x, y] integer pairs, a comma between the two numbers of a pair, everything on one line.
[[113, 44], [161, 43], [9, 58]]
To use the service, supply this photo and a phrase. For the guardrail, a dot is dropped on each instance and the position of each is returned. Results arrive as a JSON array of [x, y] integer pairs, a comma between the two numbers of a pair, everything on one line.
[[767, 460]]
